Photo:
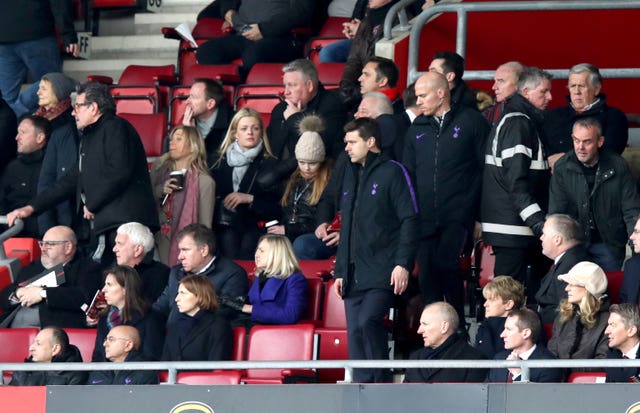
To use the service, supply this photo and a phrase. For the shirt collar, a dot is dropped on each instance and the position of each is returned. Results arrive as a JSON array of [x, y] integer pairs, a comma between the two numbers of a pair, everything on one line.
[[631, 354], [206, 267], [527, 354]]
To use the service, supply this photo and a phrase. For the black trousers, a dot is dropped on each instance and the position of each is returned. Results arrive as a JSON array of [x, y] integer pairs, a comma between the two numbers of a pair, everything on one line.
[[516, 262], [366, 332], [439, 266]]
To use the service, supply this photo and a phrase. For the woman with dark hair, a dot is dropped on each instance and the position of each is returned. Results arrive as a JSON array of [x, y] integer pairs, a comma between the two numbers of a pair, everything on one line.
[[242, 203], [199, 333], [126, 305], [182, 203]]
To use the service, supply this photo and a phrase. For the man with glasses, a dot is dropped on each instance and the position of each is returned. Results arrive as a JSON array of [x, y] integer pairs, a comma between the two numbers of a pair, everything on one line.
[[121, 345], [33, 306], [111, 184]]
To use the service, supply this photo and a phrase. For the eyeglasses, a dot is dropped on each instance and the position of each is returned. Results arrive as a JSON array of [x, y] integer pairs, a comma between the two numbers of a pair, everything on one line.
[[80, 104], [49, 244], [112, 339]]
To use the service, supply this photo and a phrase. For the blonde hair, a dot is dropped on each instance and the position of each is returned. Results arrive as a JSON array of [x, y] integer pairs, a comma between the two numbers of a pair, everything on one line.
[[317, 187], [197, 153], [281, 261], [507, 288], [230, 137], [587, 309]]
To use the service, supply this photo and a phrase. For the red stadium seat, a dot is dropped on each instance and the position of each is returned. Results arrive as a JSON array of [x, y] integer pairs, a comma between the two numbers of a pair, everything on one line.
[[265, 73], [209, 377], [315, 294], [330, 73], [249, 266], [5, 277], [315, 45], [135, 99], [587, 377], [548, 330], [239, 343], [152, 129], [144, 84], [333, 27], [332, 346], [262, 98], [84, 339], [317, 268], [333, 315], [614, 281], [283, 342], [25, 249], [14, 346]]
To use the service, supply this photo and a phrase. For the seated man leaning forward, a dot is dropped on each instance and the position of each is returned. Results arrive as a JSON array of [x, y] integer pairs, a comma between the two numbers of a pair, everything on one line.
[[121, 345], [438, 326], [51, 345], [521, 332]]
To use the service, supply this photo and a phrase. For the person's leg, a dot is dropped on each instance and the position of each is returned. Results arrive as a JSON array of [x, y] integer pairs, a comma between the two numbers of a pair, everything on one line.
[[452, 241], [270, 50], [430, 287], [12, 73], [337, 52], [309, 247], [511, 261], [41, 56], [373, 308], [221, 50], [602, 256], [356, 346]]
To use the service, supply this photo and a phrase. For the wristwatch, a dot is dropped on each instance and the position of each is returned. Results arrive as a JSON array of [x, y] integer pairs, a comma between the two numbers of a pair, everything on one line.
[[43, 293]]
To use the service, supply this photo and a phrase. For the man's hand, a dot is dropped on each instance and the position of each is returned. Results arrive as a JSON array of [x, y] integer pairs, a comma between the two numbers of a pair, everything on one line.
[[399, 279], [337, 287], [24, 212], [552, 159], [350, 28], [292, 108], [187, 118], [276, 229], [514, 355], [88, 214], [252, 34], [228, 17], [73, 49], [29, 296], [330, 239]]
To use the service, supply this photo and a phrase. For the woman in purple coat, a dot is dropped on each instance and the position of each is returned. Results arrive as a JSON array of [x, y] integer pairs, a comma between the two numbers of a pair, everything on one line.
[[279, 292]]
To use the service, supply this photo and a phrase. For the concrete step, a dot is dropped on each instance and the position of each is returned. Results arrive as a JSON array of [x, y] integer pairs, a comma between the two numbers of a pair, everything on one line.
[[152, 23], [140, 46]]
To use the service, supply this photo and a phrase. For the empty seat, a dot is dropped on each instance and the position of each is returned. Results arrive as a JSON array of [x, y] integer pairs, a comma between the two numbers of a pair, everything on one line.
[[285, 342], [262, 98], [330, 73], [152, 129], [209, 377], [15, 344], [315, 45], [84, 339], [332, 345], [265, 73], [135, 99], [26, 250], [333, 314], [315, 295], [249, 266]]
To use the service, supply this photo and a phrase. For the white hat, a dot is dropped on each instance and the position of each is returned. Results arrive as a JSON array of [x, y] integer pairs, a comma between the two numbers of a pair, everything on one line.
[[588, 275]]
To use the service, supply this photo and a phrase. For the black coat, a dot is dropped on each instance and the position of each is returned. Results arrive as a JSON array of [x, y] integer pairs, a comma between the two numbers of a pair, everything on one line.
[[461, 95], [47, 378], [379, 223], [154, 276], [488, 340], [558, 124], [546, 375], [125, 377], [283, 134], [216, 135], [445, 162], [630, 290], [621, 375], [62, 305], [20, 184], [454, 348], [114, 177], [551, 290], [613, 203], [8, 129], [151, 329], [210, 339]]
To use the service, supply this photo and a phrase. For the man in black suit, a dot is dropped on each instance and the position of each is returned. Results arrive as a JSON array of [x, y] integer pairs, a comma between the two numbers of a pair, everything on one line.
[[438, 326], [521, 331], [562, 242], [622, 330], [208, 111], [35, 306]]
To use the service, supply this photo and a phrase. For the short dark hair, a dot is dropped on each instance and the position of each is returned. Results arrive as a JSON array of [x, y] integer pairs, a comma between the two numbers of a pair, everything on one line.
[[453, 62], [58, 336], [629, 313], [409, 97], [40, 124], [97, 93], [201, 236], [589, 122], [528, 319], [385, 68], [366, 127], [212, 89]]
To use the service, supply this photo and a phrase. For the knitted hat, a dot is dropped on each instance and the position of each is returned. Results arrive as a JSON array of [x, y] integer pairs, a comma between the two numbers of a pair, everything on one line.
[[588, 275], [63, 85], [310, 147]]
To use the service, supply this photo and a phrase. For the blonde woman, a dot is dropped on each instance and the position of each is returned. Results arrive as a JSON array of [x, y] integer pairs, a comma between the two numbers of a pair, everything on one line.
[[578, 331], [182, 200], [279, 293], [244, 155]]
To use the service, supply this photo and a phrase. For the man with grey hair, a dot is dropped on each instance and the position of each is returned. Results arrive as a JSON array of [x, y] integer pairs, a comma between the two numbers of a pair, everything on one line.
[[595, 186], [516, 178], [134, 247], [374, 104], [505, 84], [111, 183], [623, 332], [561, 242], [304, 94], [438, 327], [585, 100]]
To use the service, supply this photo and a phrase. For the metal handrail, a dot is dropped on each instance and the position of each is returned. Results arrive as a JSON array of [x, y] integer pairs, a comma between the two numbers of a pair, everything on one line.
[[348, 365], [461, 30], [10, 232]]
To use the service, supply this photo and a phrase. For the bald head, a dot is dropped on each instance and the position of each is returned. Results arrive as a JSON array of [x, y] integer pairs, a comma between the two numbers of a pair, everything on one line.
[[58, 246], [432, 94], [505, 80], [120, 341]]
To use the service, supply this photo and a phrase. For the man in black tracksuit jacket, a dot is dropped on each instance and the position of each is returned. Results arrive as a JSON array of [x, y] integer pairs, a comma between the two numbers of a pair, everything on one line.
[[377, 243], [515, 181], [444, 155]]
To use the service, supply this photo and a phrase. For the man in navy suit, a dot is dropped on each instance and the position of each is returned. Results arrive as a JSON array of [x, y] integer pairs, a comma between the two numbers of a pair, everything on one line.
[[624, 341], [521, 331]]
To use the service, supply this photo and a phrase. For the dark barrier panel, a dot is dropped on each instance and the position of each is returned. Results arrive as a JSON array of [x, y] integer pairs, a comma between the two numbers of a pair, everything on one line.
[[353, 398]]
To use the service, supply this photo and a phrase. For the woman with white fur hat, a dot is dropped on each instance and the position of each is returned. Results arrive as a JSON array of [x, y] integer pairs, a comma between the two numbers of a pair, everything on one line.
[[578, 330]]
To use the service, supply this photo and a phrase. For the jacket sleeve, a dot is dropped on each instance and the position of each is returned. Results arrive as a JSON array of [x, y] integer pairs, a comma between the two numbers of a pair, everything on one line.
[[617, 131], [153, 338], [406, 206], [74, 293], [630, 199], [65, 188], [559, 201], [299, 14], [63, 15], [163, 303], [101, 335], [516, 160], [289, 311]]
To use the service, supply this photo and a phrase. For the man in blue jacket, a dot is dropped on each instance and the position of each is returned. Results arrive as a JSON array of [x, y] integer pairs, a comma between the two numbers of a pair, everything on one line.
[[377, 243]]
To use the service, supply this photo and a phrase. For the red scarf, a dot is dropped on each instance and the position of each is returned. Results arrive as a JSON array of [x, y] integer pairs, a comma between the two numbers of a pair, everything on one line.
[[55, 111], [391, 93]]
